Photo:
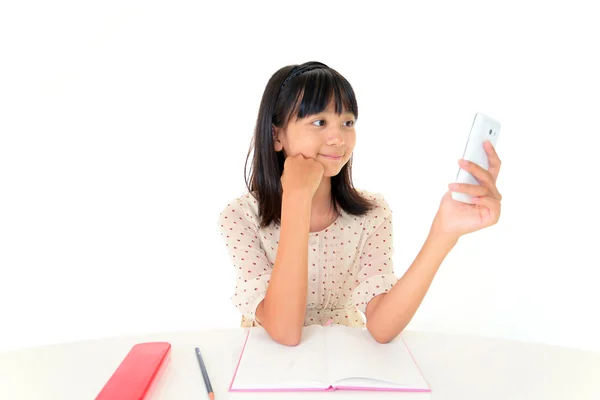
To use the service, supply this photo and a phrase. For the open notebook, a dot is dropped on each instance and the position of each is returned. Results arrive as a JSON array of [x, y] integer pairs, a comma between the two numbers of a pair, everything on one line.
[[336, 357]]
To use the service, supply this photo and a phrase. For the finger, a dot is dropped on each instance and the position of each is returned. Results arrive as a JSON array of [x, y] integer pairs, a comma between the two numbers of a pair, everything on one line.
[[483, 176], [492, 205], [471, 190], [476, 190], [493, 159]]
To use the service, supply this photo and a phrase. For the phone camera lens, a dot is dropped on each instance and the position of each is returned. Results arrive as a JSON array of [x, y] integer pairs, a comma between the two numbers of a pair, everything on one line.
[[490, 131]]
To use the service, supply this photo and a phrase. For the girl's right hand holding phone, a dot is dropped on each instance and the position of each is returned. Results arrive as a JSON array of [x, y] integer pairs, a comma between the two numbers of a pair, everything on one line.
[[301, 175]]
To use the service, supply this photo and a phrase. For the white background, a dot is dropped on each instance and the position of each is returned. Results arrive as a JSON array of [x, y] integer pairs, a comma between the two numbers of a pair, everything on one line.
[[124, 127]]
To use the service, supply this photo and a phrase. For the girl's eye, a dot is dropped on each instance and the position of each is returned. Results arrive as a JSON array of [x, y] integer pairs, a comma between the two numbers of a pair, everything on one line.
[[321, 122]]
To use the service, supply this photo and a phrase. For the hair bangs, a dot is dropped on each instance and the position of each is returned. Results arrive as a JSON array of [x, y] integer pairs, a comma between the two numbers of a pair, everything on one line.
[[314, 91]]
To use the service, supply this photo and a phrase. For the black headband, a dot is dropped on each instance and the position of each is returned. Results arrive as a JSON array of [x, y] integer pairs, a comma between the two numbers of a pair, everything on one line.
[[299, 70]]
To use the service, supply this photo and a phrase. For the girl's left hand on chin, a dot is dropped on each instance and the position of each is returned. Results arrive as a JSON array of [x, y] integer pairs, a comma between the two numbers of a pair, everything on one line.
[[456, 218]]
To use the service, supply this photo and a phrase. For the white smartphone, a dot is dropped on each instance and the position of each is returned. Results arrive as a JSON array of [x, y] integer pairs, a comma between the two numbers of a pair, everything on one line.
[[483, 128]]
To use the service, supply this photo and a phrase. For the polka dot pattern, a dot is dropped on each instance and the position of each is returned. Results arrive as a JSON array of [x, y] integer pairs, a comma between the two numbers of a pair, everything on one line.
[[349, 262]]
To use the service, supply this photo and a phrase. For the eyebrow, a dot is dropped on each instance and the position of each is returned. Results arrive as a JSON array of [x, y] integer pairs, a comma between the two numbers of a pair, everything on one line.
[[346, 114]]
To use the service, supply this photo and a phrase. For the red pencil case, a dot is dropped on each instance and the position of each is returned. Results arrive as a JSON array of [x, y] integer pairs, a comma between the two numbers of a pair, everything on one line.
[[139, 372]]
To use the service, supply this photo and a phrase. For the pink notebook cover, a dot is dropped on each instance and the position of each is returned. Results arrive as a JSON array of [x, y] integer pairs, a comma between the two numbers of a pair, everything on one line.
[[330, 388]]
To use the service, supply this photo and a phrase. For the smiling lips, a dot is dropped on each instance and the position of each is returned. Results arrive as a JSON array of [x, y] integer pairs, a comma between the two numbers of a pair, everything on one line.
[[332, 157]]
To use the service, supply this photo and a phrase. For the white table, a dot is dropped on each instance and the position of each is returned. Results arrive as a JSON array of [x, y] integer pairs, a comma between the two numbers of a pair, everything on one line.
[[456, 367]]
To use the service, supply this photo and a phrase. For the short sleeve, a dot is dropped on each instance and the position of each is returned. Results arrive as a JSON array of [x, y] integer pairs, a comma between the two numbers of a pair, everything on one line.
[[253, 269], [376, 273]]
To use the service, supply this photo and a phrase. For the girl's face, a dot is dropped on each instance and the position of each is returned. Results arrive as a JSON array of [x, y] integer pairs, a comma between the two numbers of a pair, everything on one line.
[[326, 137]]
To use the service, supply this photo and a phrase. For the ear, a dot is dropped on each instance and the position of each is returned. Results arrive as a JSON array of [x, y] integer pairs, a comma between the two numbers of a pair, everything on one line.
[[277, 144]]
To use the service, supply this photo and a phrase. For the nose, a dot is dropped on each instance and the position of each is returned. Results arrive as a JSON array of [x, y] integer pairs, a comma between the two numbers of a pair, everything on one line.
[[335, 137]]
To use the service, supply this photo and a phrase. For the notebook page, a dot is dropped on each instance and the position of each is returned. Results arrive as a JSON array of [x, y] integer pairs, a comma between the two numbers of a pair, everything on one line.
[[266, 364], [354, 354]]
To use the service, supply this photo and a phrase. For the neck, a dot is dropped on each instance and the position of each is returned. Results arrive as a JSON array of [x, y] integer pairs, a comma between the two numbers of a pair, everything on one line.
[[321, 202]]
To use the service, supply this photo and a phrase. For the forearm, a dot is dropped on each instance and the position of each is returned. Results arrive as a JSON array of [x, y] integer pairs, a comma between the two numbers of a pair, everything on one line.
[[393, 311], [282, 311]]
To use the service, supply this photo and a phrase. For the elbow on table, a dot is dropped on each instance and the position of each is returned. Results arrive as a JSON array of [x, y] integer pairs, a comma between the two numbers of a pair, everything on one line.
[[381, 339], [290, 341], [380, 335], [287, 337], [285, 332]]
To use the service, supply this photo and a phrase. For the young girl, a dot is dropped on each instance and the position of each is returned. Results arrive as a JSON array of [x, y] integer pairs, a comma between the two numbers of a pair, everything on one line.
[[308, 247]]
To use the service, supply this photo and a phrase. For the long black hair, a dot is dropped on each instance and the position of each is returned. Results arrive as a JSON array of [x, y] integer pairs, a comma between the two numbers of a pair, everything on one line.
[[303, 90]]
